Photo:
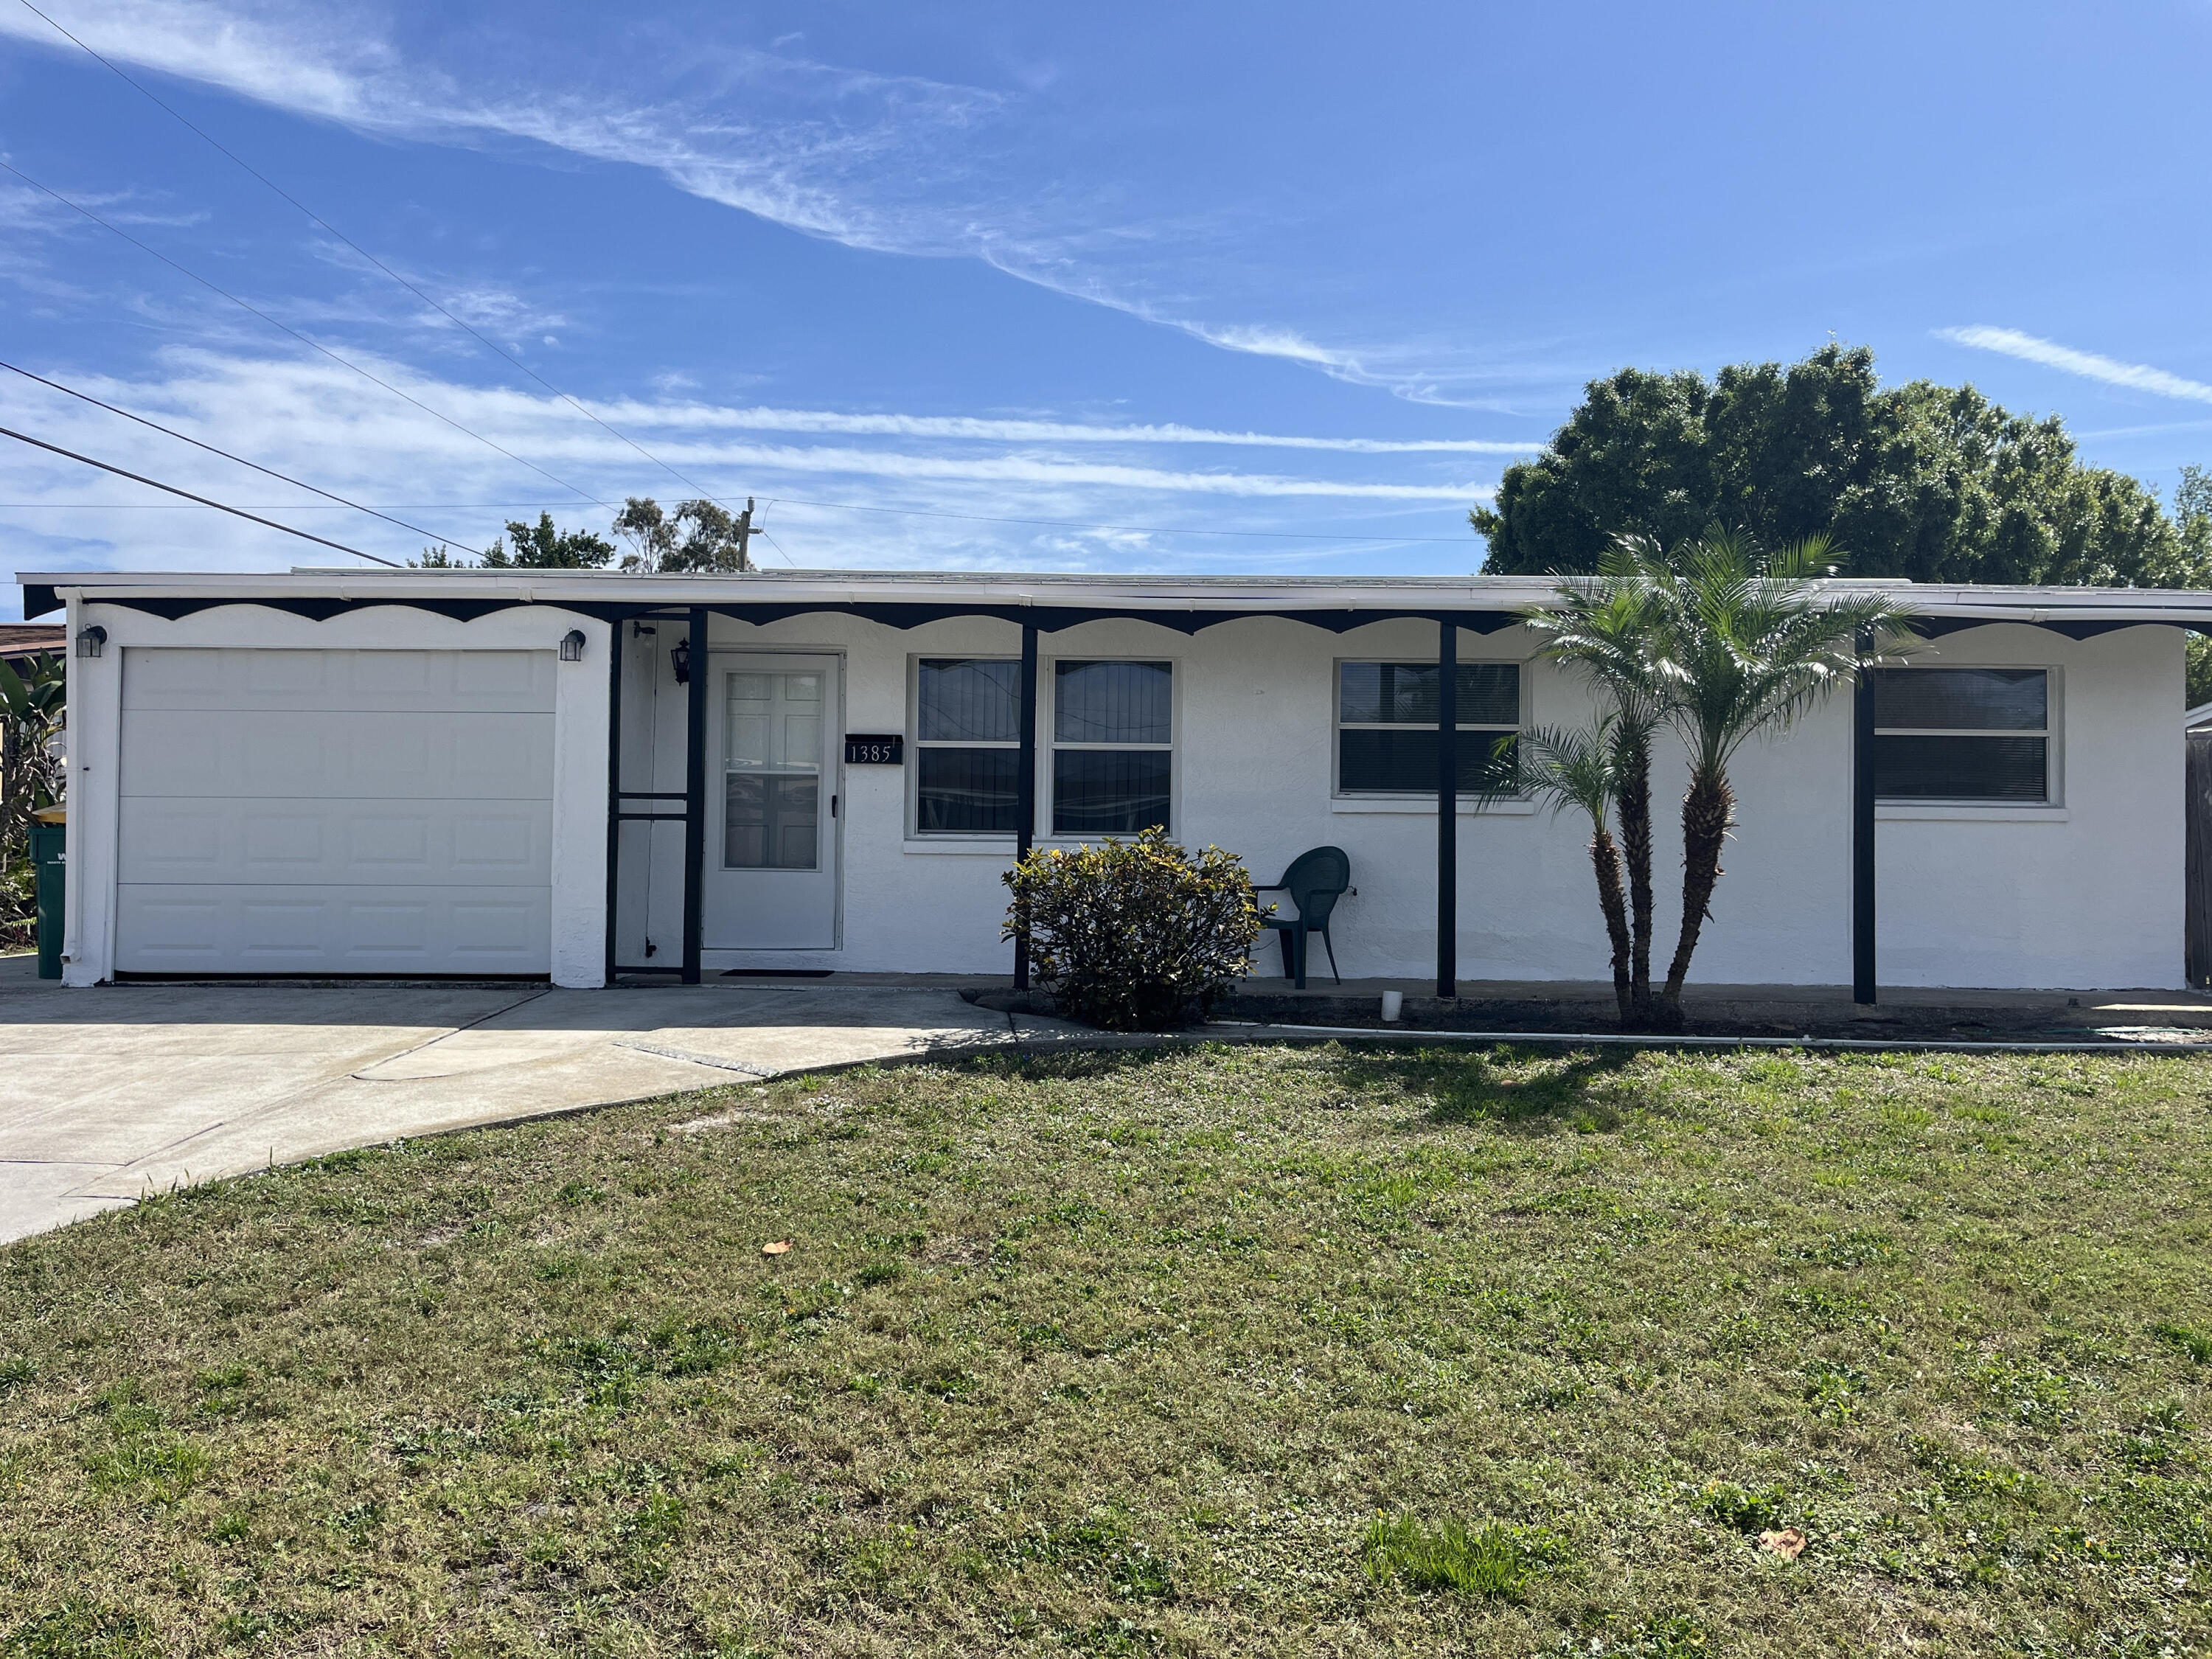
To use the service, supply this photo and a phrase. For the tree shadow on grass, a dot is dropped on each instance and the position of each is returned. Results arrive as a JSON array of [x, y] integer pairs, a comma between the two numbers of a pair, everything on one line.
[[1534, 1091], [1576, 1089]]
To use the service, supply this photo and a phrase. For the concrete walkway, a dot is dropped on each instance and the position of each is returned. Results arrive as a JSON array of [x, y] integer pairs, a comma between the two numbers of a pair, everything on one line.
[[107, 1094]]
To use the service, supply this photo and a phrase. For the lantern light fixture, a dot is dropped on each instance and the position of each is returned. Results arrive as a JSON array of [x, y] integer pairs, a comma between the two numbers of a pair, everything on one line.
[[89, 641], [572, 646], [680, 659]]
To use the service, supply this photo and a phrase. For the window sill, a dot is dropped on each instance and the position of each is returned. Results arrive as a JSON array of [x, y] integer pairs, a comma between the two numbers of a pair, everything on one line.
[[1965, 813], [973, 847], [1426, 806]]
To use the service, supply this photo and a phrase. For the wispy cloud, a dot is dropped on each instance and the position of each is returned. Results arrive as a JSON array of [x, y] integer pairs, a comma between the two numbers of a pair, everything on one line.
[[694, 415], [924, 497], [2090, 365], [1029, 470], [25, 209], [889, 164], [310, 407]]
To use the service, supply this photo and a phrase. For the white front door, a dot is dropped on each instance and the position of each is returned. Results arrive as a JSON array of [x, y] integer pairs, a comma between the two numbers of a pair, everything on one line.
[[774, 725]]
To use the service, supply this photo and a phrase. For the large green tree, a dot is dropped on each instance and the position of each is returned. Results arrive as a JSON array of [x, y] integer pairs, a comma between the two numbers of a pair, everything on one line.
[[1933, 482]]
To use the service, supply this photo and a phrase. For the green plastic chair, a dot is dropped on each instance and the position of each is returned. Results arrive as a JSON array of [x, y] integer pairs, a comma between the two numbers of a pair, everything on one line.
[[1314, 881]]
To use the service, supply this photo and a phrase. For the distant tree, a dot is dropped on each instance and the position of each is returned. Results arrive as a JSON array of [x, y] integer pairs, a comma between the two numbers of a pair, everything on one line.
[[541, 547], [1932, 482], [537, 547], [2192, 518], [697, 536]]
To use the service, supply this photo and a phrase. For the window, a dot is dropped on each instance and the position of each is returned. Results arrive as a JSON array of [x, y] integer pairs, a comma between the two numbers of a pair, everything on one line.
[[1962, 734], [1112, 737], [967, 755], [772, 772], [1386, 726]]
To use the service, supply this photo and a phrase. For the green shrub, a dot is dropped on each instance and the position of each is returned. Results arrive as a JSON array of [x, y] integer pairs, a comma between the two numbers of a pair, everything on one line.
[[1134, 935]]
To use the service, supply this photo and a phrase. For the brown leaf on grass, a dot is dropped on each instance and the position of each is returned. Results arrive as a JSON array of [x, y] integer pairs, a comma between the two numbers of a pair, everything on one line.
[[778, 1247], [1789, 1543]]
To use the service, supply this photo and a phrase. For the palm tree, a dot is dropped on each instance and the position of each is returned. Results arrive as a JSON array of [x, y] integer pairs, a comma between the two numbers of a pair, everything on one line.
[[1741, 642], [1604, 625], [1579, 768]]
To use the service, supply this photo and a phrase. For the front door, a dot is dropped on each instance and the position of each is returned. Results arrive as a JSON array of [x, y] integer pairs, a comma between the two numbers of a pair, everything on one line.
[[774, 723]]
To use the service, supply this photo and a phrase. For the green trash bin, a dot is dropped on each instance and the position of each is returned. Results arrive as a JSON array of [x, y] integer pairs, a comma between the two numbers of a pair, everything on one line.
[[48, 858]]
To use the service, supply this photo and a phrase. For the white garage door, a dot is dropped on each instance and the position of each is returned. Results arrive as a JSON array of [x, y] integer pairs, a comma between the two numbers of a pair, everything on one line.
[[336, 812]]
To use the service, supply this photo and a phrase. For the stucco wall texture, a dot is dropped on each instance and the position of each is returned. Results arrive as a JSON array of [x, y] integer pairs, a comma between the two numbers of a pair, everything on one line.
[[2085, 892]]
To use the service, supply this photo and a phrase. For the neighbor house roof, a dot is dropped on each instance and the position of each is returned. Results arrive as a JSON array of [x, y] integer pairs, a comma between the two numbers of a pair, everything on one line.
[[20, 640], [1051, 600]]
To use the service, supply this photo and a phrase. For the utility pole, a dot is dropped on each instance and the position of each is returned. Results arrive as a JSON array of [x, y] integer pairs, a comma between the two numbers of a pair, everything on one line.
[[744, 536]]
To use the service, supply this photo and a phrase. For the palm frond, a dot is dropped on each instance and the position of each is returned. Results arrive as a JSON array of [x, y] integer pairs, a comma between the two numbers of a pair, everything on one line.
[[1570, 767]]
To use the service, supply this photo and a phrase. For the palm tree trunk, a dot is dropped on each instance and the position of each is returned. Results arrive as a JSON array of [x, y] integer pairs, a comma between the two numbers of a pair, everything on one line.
[[1634, 807], [1707, 811], [1604, 859]]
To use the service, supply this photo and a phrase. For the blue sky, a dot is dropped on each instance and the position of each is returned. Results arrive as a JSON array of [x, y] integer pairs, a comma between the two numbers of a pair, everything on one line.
[[1310, 274]]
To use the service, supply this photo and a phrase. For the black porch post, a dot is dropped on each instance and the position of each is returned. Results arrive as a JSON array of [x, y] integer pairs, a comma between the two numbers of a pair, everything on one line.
[[614, 783], [694, 792], [1448, 806], [1863, 867], [1026, 785]]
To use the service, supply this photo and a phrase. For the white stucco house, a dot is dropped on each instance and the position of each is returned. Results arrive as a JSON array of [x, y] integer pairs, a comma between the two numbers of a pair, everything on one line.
[[582, 775]]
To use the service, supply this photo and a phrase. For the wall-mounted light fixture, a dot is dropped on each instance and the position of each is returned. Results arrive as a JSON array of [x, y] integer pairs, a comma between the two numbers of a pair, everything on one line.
[[90, 640], [572, 646], [680, 659]]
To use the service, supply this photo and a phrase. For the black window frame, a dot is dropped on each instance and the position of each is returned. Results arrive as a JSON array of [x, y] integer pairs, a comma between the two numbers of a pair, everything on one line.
[[2047, 735], [1485, 732]]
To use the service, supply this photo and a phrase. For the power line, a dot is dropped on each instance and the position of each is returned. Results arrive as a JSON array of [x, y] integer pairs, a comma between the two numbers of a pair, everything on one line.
[[270, 471], [317, 218], [762, 532], [286, 328], [155, 483]]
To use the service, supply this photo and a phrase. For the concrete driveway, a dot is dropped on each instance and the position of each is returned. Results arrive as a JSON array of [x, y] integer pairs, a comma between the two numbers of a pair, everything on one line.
[[107, 1094]]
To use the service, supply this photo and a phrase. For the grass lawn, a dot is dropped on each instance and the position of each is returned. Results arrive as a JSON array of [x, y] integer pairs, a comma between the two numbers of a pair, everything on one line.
[[1230, 1351]]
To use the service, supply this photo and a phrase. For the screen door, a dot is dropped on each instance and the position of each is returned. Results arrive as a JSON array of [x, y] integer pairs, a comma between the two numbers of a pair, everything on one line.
[[772, 833]]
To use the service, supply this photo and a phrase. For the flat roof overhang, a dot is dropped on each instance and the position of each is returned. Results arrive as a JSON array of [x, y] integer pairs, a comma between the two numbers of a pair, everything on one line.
[[1047, 602]]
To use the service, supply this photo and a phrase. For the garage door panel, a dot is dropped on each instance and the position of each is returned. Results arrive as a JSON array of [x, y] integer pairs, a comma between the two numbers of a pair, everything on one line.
[[336, 812], [348, 681], [175, 928], [436, 843], [277, 753]]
